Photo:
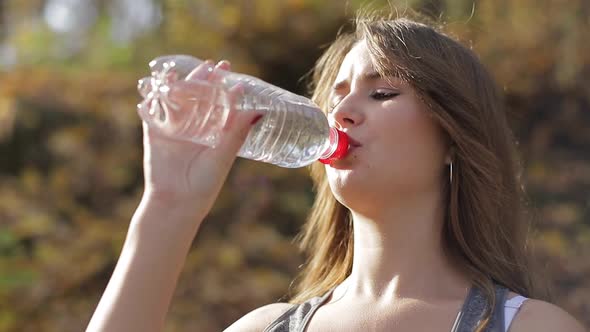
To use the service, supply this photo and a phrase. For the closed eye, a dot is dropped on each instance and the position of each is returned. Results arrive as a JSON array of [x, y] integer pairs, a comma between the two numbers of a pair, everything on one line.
[[382, 95], [333, 104]]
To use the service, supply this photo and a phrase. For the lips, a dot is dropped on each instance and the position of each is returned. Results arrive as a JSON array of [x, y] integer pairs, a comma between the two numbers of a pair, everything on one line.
[[353, 143]]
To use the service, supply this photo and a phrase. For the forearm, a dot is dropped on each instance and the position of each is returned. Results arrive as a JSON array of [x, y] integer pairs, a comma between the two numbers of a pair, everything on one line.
[[141, 288]]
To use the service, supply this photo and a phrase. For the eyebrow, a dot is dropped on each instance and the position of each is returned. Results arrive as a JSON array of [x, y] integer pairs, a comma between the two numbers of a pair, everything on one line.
[[370, 76]]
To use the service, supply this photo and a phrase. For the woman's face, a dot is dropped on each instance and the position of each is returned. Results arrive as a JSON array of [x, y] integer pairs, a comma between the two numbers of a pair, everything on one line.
[[397, 148]]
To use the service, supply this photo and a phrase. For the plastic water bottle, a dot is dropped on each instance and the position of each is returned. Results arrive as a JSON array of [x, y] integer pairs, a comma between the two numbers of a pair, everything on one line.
[[294, 132]]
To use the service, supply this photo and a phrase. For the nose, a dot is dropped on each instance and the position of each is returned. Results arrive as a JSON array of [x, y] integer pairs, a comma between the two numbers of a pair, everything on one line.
[[346, 114]]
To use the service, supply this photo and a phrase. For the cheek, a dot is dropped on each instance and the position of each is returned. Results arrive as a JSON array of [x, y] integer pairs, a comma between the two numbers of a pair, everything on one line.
[[410, 145]]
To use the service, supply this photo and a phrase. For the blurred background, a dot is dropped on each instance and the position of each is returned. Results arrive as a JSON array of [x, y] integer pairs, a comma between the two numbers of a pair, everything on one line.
[[70, 144]]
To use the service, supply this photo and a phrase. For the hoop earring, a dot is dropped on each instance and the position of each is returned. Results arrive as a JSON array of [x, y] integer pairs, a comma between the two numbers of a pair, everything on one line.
[[451, 173]]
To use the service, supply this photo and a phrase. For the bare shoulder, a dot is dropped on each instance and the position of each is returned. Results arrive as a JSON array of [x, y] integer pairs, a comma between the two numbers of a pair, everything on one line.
[[258, 319], [541, 316]]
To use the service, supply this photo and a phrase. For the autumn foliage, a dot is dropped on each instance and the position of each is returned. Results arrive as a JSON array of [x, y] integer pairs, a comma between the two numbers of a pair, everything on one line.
[[70, 147]]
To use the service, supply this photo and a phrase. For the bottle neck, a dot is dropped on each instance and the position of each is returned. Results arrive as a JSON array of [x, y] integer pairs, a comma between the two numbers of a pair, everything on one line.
[[337, 146]]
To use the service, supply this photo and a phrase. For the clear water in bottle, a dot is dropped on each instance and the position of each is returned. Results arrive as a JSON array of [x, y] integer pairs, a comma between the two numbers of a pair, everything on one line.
[[293, 132]]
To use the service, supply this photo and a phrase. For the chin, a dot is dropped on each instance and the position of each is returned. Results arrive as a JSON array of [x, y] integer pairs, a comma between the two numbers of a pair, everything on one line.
[[349, 190]]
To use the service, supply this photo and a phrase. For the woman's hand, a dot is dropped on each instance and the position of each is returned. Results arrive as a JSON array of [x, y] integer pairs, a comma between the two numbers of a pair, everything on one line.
[[184, 174], [182, 180]]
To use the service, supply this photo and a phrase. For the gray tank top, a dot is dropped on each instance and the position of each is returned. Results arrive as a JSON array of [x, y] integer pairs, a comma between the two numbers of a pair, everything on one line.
[[297, 317]]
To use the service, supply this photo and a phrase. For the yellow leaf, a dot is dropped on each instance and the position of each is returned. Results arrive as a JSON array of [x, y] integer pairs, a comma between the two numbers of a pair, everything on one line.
[[555, 242], [229, 256], [31, 180], [230, 15], [34, 223], [268, 14]]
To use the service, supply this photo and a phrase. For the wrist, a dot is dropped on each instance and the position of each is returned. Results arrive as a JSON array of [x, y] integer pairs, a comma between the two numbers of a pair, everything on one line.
[[167, 214], [174, 202]]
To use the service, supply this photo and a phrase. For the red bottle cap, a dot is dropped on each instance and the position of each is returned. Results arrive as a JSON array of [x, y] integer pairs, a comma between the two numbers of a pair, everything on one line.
[[338, 146]]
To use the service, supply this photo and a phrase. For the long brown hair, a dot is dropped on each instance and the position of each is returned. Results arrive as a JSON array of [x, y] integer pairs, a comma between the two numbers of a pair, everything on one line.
[[485, 229]]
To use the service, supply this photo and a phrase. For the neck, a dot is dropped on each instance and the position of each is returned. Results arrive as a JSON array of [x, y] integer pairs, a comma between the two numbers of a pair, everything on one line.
[[398, 253]]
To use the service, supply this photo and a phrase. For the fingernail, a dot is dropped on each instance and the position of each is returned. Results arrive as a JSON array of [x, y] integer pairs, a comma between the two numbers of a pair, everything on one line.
[[223, 63], [256, 119]]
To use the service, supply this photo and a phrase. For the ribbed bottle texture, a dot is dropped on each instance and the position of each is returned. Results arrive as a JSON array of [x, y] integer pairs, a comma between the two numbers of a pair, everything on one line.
[[292, 133]]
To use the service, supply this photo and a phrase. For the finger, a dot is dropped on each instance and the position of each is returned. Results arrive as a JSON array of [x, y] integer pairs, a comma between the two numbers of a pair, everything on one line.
[[234, 95], [189, 92], [220, 69], [144, 86], [171, 77], [223, 64], [146, 135], [202, 71], [234, 136], [239, 122]]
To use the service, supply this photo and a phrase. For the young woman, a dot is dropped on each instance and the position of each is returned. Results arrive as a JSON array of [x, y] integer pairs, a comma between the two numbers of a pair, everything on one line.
[[419, 228]]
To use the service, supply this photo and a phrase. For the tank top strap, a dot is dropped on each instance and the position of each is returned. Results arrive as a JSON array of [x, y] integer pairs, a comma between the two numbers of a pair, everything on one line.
[[474, 307], [511, 307], [296, 318]]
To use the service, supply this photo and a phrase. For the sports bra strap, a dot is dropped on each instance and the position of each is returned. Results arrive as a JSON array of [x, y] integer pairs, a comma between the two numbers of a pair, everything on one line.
[[511, 308]]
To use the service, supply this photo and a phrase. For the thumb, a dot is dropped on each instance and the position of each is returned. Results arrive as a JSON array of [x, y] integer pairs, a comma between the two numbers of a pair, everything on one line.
[[239, 122], [237, 129]]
